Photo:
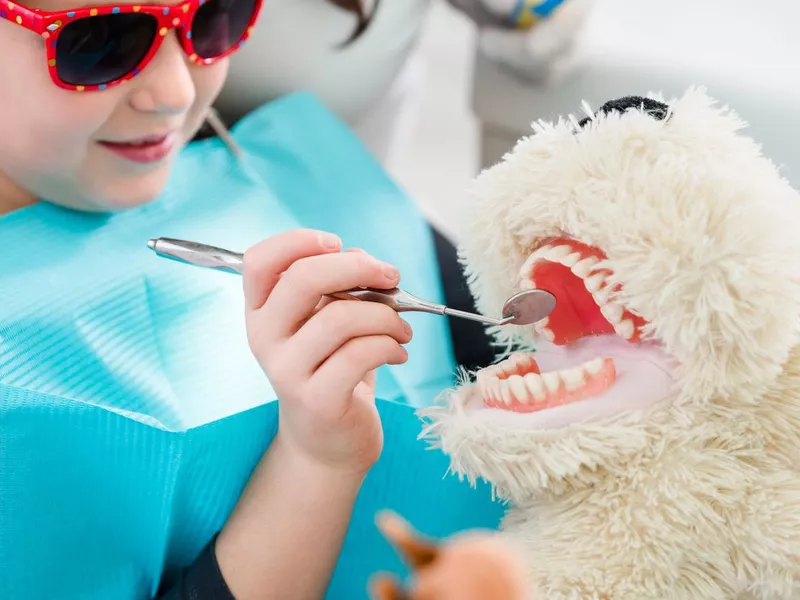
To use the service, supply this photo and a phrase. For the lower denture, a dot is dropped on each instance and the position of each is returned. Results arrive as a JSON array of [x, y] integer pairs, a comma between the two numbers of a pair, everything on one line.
[[517, 386]]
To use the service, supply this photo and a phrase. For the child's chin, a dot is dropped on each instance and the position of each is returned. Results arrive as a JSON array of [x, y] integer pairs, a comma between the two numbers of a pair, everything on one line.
[[126, 193]]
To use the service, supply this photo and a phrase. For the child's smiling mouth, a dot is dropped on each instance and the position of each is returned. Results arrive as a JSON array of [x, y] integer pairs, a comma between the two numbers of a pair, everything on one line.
[[144, 150]]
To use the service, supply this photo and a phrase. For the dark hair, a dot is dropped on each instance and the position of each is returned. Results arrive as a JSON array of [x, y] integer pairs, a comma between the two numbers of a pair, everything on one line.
[[356, 7]]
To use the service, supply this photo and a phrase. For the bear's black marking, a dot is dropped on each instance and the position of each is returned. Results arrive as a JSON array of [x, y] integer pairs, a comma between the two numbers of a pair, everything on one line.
[[654, 108]]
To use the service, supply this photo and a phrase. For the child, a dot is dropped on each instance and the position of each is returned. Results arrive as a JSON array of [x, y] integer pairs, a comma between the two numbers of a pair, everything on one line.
[[76, 138]]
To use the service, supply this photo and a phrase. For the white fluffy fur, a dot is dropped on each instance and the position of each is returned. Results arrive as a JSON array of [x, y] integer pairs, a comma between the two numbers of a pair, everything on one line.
[[697, 496]]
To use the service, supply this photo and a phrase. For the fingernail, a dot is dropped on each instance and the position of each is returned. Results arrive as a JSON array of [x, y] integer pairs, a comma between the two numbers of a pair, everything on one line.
[[407, 329], [390, 272], [329, 241], [358, 250]]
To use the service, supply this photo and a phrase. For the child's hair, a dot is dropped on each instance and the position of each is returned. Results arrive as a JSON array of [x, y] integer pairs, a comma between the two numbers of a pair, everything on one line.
[[357, 8]]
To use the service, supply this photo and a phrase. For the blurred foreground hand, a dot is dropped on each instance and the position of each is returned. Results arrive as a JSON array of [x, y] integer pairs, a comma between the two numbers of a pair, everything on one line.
[[475, 565]]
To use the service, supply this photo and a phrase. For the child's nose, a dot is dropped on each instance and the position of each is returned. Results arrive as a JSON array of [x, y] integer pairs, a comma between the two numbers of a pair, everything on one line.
[[166, 84]]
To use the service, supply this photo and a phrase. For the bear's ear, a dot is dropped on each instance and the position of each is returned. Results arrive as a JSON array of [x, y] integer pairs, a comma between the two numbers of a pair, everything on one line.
[[658, 110]]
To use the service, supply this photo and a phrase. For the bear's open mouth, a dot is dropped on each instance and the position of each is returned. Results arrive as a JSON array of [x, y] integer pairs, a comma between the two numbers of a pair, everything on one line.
[[587, 344]]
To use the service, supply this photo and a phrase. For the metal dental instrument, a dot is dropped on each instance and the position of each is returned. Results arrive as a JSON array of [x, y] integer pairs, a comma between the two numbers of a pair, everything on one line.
[[523, 308]]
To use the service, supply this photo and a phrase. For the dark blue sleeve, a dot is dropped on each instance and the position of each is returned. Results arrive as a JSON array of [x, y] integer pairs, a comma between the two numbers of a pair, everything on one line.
[[471, 345], [202, 580]]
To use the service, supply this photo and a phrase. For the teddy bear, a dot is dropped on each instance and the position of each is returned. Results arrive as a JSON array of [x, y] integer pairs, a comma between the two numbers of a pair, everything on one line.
[[645, 435]]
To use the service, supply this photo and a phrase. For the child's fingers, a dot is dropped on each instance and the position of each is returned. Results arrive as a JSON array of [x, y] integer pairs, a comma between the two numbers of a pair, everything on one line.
[[304, 284], [338, 376], [340, 321], [266, 261]]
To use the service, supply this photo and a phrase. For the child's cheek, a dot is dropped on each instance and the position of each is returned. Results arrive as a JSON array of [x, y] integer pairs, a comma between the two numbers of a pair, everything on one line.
[[209, 81], [70, 122]]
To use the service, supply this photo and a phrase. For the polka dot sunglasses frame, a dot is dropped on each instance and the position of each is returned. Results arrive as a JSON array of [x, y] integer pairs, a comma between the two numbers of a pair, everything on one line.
[[93, 48]]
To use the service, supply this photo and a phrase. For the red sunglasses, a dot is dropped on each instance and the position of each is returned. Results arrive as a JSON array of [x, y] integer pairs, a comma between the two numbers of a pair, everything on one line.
[[94, 48]]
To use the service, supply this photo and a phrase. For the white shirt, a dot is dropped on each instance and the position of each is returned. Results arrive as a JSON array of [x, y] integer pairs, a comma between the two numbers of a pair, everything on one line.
[[296, 45]]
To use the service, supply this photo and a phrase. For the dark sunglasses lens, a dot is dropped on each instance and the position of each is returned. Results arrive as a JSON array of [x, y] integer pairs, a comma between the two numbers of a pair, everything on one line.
[[219, 25], [99, 50]]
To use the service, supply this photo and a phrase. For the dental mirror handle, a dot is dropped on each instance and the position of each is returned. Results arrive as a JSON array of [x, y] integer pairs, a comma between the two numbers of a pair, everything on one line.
[[199, 255], [219, 259]]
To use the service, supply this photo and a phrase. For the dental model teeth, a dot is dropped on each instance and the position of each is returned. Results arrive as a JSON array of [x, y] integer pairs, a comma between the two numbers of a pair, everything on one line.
[[593, 367], [548, 334], [571, 259], [543, 330], [515, 383], [595, 281], [601, 296], [559, 252], [573, 378], [584, 267], [506, 396], [625, 329], [535, 386], [612, 312], [552, 382], [517, 386]]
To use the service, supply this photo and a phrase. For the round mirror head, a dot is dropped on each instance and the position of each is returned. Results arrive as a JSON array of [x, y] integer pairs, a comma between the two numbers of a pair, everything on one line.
[[528, 307]]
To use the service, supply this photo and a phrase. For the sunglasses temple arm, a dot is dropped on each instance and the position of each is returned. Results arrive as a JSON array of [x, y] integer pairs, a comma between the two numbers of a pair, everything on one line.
[[214, 121]]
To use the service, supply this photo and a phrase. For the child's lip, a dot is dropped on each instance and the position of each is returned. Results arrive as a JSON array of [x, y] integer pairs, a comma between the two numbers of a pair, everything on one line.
[[143, 150], [140, 141]]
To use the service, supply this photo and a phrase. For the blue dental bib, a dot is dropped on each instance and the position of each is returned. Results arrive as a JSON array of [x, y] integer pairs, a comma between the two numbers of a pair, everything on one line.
[[131, 410]]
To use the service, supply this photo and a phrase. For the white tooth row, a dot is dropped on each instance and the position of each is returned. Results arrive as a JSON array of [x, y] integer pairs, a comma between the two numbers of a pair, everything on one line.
[[513, 364], [524, 388], [565, 255], [594, 282]]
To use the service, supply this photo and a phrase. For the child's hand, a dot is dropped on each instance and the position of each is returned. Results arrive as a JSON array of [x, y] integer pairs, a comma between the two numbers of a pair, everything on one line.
[[320, 355]]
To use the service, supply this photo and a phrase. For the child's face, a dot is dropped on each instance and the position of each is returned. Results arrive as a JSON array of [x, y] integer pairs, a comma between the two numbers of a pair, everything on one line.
[[52, 140]]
